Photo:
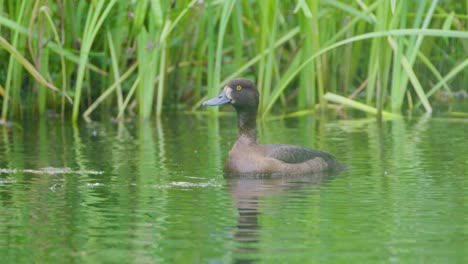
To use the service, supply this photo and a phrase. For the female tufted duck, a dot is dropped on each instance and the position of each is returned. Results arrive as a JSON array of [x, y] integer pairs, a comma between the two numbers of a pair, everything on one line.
[[249, 157]]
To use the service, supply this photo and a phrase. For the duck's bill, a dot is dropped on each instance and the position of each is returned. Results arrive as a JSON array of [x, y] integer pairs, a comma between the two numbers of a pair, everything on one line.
[[220, 100]]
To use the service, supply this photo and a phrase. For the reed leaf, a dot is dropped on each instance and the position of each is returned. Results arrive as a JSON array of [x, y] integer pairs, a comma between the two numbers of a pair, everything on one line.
[[108, 92], [115, 69], [95, 18], [29, 67], [357, 105], [225, 15], [350, 9], [128, 98], [457, 69], [46, 13], [2, 91]]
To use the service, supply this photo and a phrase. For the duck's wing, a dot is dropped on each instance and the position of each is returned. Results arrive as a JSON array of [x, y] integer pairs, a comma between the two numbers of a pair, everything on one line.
[[295, 154]]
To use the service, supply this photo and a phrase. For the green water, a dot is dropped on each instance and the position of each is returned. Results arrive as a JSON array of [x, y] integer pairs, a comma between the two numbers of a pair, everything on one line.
[[155, 193]]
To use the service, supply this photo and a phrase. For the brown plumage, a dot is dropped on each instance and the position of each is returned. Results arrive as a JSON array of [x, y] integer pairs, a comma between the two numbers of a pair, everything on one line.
[[249, 157]]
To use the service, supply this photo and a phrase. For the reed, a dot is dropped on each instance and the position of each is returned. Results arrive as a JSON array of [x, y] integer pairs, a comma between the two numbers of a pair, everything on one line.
[[94, 20], [159, 55]]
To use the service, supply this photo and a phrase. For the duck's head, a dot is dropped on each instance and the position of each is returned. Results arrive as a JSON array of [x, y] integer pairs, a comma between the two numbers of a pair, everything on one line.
[[240, 93]]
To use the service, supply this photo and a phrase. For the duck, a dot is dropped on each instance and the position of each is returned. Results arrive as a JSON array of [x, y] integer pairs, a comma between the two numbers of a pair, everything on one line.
[[248, 157]]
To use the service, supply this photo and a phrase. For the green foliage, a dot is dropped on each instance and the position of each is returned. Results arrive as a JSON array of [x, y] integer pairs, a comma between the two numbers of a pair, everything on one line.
[[160, 54]]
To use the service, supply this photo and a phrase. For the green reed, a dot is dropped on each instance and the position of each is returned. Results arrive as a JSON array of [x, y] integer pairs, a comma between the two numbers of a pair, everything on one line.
[[94, 20], [152, 56]]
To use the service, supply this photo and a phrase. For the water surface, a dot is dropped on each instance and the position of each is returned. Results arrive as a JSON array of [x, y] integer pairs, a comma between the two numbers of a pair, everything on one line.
[[154, 192]]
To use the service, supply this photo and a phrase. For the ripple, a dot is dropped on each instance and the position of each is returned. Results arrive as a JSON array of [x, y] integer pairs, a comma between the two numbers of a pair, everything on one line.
[[181, 184], [5, 181], [96, 184], [49, 170]]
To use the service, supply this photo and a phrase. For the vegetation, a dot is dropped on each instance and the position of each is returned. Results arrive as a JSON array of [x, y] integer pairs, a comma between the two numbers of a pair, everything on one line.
[[72, 57]]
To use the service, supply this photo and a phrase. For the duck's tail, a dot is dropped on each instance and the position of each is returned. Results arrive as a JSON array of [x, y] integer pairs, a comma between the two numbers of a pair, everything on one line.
[[335, 166]]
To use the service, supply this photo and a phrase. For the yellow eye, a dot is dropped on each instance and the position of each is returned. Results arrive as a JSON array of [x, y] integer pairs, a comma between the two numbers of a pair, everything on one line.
[[238, 88]]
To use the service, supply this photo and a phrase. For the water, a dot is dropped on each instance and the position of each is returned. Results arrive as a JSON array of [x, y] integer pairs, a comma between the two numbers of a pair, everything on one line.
[[155, 193]]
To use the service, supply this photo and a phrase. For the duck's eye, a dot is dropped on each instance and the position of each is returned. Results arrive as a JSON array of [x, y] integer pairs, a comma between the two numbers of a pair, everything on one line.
[[238, 88]]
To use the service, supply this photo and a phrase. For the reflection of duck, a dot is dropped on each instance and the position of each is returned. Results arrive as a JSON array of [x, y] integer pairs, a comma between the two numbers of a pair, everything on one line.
[[248, 157], [249, 193]]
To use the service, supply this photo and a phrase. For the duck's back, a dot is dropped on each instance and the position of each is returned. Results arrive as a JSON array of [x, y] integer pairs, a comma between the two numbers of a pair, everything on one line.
[[296, 154]]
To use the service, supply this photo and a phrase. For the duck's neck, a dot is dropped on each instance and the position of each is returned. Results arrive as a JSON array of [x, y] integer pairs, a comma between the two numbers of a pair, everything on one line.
[[247, 124]]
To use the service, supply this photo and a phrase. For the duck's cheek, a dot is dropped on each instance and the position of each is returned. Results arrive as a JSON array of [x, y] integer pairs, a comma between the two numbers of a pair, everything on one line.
[[228, 93]]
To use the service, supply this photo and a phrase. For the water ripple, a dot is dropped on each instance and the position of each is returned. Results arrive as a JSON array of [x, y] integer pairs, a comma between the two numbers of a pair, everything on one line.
[[181, 184], [49, 170]]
